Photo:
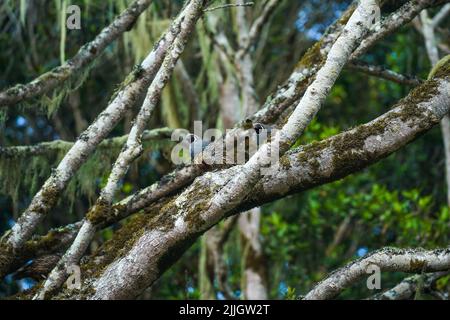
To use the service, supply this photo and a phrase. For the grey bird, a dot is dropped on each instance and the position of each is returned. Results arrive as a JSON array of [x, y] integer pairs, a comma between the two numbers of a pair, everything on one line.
[[196, 145], [262, 132]]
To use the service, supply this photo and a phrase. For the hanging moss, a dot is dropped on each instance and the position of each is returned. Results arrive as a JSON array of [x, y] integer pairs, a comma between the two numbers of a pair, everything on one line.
[[50, 102], [23, 172], [19, 172]]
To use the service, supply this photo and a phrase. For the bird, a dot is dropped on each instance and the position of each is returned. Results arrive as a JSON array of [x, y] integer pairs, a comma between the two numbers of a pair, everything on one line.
[[263, 132], [196, 145], [258, 127]]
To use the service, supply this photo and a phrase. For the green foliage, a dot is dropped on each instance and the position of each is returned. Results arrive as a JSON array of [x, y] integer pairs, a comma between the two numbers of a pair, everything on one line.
[[22, 174], [399, 201], [313, 233]]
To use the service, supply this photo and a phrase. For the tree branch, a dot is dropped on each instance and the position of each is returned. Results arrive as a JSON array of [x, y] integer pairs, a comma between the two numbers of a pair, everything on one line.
[[408, 287], [130, 94], [171, 226], [384, 73], [216, 239], [441, 15], [387, 259], [394, 21], [230, 5], [132, 149], [61, 145], [258, 24], [87, 53]]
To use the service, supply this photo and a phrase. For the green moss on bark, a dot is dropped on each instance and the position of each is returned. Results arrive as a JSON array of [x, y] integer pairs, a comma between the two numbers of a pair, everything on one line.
[[121, 242]]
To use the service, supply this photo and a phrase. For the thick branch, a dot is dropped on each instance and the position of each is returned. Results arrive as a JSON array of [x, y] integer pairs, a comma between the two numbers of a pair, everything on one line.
[[177, 222], [131, 93], [388, 259], [132, 149]]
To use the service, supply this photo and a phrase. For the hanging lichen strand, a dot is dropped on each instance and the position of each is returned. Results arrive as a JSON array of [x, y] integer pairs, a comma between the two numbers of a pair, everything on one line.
[[47, 91], [22, 171]]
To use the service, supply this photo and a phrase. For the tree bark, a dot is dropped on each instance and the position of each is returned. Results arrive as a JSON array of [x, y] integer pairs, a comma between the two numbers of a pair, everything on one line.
[[163, 236], [428, 31]]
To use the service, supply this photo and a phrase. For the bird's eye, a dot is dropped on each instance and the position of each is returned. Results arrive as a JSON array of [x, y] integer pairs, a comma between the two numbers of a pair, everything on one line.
[[192, 138]]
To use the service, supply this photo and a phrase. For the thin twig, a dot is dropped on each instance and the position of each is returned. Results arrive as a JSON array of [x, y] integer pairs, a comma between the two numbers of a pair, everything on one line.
[[61, 145], [384, 73], [230, 5]]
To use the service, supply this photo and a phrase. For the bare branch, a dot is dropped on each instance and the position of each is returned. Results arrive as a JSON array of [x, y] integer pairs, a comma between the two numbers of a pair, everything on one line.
[[230, 5], [430, 37], [441, 15], [258, 24], [384, 73]]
